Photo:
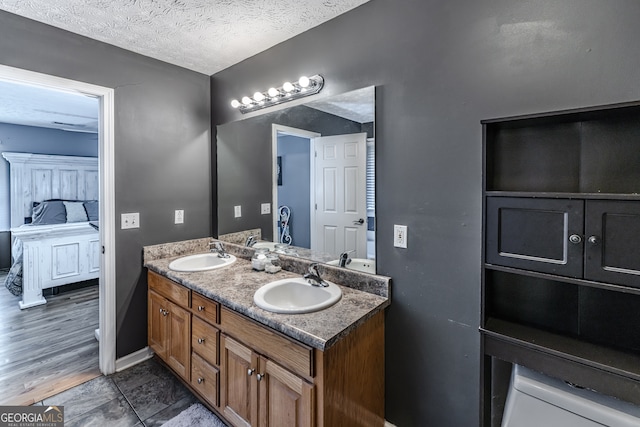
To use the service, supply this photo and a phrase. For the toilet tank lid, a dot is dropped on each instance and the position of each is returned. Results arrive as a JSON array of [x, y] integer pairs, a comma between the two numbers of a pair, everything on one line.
[[589, 404]]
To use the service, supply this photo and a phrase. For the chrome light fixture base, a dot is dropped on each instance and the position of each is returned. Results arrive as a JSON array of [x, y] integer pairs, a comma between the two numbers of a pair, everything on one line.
[[305, 86]]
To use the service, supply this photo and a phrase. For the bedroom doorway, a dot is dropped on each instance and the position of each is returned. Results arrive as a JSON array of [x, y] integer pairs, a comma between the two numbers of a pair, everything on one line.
[[105, 96]]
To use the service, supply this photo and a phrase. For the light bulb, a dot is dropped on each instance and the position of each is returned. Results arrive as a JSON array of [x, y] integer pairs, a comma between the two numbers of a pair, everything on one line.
[[258, 96], [235, 103], [304, 81], [273, 92], [288, 87], [246, 100]]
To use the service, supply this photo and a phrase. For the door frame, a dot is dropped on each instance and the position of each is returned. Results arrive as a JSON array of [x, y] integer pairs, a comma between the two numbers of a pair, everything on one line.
[[106, 145], [275, 129]]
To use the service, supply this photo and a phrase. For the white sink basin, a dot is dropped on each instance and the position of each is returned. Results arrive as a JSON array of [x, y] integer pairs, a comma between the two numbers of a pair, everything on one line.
[[264, 244], [359, 264], [201, 262], [296, 296]]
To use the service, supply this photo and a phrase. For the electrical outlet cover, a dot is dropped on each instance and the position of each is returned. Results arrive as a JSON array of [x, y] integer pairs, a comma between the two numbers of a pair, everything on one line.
[[265, 208], [179, 216], [237, 211], [130, 220], [400, 236]]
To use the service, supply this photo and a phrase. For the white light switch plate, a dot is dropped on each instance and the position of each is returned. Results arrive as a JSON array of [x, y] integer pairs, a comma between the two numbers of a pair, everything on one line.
[[237, 211], [400, 236], [179, 216], [265, 208], [130, 220]]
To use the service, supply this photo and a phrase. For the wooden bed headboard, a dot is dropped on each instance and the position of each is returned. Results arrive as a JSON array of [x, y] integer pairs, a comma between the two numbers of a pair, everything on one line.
[[38, 177]]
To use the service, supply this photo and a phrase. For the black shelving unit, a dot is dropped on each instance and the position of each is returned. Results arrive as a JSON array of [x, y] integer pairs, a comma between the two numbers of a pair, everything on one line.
[[561, 252]]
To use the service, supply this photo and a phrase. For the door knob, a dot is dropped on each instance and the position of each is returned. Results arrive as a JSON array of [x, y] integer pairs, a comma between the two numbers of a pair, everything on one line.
[[575, 239], [359, 222]]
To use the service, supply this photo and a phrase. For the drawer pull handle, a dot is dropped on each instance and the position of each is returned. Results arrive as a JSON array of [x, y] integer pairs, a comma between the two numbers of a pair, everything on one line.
[[250, 371], [200, 380], [201, 308], [200, 340]]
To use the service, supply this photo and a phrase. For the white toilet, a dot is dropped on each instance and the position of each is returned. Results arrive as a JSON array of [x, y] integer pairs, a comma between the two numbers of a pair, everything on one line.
[[536, 400]]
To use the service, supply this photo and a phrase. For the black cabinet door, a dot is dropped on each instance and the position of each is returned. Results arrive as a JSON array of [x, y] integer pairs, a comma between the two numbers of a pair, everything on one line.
[[543, 235], [612, 247]]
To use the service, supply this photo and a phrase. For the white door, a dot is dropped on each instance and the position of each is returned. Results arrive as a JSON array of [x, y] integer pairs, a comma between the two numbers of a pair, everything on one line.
[[340, 195]]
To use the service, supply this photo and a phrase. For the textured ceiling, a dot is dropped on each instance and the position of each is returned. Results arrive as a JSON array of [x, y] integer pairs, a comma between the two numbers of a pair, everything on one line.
[[202, 35]]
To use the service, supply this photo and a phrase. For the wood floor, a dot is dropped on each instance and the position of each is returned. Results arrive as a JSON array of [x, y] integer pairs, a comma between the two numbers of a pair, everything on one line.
[[49, 348]]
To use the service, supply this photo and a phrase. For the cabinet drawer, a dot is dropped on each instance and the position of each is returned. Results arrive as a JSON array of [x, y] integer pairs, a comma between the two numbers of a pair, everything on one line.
[[169, 289], [204, 379], [291, 354], [205, 308], [204, 340]]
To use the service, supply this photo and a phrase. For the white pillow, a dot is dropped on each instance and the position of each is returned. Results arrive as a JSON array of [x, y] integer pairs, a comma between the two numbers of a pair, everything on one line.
[[75, 212]]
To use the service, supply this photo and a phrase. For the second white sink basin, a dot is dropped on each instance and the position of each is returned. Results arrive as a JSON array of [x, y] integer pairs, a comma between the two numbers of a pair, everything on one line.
[[359, 264], [296, 295], [264, 244], [201, 262]]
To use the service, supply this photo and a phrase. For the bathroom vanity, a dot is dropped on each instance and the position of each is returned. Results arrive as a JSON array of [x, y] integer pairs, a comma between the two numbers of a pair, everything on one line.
[[254, 367]]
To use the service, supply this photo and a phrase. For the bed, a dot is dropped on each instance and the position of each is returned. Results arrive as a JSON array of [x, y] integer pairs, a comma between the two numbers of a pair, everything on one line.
[[54, 223]]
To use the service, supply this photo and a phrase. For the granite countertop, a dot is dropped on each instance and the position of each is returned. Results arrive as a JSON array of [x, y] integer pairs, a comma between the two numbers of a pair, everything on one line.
[[234, 286]]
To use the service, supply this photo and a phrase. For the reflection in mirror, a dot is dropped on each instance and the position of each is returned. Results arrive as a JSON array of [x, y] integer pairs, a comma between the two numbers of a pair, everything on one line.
[[321, 174]]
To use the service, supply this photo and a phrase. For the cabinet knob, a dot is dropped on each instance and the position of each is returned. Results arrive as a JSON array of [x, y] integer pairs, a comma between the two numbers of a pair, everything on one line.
[[250, 371], [593, 240], [200, 380], [259, 377], [163, 312], [575, 239], [201, 308], [200, 340]]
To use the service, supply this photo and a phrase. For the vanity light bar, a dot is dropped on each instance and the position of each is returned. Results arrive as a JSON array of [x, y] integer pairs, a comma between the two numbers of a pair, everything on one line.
[[305, 86]]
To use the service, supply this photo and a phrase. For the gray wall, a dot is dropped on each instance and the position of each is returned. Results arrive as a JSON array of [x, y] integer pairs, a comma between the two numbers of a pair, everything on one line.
[[441, 67], [30, 139], [162, 147]]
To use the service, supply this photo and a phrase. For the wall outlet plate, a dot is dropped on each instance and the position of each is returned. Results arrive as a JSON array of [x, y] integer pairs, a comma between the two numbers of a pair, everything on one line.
[[265, 208], [237, 211], [130, 220], [179, 216], [400, 236]]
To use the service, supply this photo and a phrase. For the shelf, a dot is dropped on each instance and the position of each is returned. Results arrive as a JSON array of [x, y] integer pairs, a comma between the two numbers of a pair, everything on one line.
[[561, 195], [571, 280], [600, 357], [587, 365]]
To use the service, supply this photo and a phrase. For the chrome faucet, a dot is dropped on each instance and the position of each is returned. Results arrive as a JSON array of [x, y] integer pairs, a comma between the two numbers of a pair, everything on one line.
[[251, 240], [313, 276], [218, 247], [344, 259]]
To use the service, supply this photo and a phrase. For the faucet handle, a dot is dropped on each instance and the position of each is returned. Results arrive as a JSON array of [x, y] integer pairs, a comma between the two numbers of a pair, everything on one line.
[[313, 269]]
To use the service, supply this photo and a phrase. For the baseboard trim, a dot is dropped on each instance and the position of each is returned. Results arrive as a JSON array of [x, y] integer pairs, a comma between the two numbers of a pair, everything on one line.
[[133, 359]]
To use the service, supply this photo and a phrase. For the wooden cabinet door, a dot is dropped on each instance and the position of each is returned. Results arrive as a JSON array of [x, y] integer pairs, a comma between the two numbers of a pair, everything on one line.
[[285, 398], [543, 235], [157, 324], [612, 233], [179, 348], [238, 387]]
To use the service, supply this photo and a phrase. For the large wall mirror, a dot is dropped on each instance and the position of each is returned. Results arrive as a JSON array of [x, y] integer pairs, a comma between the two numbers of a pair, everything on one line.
[[313, 165]]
